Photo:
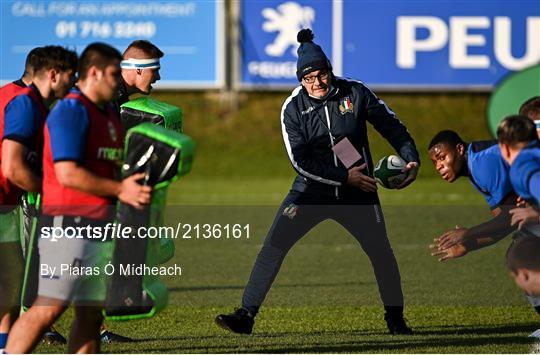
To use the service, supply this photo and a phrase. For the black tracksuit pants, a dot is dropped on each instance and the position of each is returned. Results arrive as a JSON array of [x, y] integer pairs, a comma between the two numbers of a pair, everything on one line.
[[361, 215]]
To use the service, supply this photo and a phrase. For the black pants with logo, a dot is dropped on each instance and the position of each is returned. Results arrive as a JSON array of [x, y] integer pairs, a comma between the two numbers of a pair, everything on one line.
[[299, 213]]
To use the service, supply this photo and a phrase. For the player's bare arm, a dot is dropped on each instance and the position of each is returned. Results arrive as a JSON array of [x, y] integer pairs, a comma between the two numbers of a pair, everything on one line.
[[484, 234], [16, 169]]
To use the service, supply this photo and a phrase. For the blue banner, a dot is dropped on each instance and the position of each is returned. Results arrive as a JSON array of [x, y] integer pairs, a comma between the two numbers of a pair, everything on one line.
[[268, 40], [190, 33], [396, 44]]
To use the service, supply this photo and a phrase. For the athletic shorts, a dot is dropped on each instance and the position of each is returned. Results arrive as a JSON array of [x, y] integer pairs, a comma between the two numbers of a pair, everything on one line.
[[73, 269], [9, 226]]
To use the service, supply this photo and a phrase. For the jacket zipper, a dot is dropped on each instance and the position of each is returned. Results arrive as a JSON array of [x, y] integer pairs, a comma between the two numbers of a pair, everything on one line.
[[331, 142]]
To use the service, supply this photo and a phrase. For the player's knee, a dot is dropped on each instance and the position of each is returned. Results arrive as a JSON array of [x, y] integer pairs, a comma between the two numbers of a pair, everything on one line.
[[46, 314]]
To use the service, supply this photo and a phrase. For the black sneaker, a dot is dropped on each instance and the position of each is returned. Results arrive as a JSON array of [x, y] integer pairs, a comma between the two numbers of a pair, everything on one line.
[[240, 321], [109, 337], [53, 337], [396, 325]]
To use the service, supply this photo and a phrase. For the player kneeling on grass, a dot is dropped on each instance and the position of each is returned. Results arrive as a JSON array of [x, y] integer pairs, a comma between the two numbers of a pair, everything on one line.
[[520, 148], [333, 180], [486, 168], [82, 152], [481, 162]]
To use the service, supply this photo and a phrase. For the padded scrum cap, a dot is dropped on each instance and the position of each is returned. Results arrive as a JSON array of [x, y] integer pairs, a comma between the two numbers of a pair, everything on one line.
[[147, 109]]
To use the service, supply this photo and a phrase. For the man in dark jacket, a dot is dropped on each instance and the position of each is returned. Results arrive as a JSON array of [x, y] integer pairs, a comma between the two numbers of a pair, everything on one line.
[[322, 113]]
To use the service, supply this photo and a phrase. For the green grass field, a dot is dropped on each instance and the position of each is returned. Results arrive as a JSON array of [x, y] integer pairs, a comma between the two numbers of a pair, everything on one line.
[[325, 298]]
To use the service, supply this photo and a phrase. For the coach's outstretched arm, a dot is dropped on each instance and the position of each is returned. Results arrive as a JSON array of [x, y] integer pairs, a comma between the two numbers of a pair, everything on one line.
[[394, 131]]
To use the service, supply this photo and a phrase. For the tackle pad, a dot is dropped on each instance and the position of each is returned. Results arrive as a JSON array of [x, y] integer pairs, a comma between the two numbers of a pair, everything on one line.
[[163, 155]]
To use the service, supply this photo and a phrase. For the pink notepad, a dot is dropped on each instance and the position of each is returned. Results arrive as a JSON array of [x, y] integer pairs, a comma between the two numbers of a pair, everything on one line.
[[346, 152]]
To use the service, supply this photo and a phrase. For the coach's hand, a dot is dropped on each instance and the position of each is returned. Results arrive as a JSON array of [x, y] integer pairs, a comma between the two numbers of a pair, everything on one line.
[[359, 180], [522, 216], [455, 251], [451, 238], [133, 193], [412, 169]]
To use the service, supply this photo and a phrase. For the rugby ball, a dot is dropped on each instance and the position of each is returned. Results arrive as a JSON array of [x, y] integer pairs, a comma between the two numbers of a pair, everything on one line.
[[388, 172]]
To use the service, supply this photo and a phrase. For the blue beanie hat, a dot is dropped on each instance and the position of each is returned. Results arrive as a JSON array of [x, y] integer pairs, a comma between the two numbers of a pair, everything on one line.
[[310, 55]]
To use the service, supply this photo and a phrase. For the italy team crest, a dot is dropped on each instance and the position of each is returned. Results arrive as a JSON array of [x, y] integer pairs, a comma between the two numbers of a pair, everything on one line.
[[345, 105]]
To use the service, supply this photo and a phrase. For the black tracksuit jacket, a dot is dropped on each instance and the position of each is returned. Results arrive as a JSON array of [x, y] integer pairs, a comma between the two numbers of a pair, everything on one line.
[[310, 128]]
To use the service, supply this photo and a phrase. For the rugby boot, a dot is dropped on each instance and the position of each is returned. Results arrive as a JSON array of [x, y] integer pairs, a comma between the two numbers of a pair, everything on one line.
[[53, 337], [396, 324], [240, 321], [106, 336]]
